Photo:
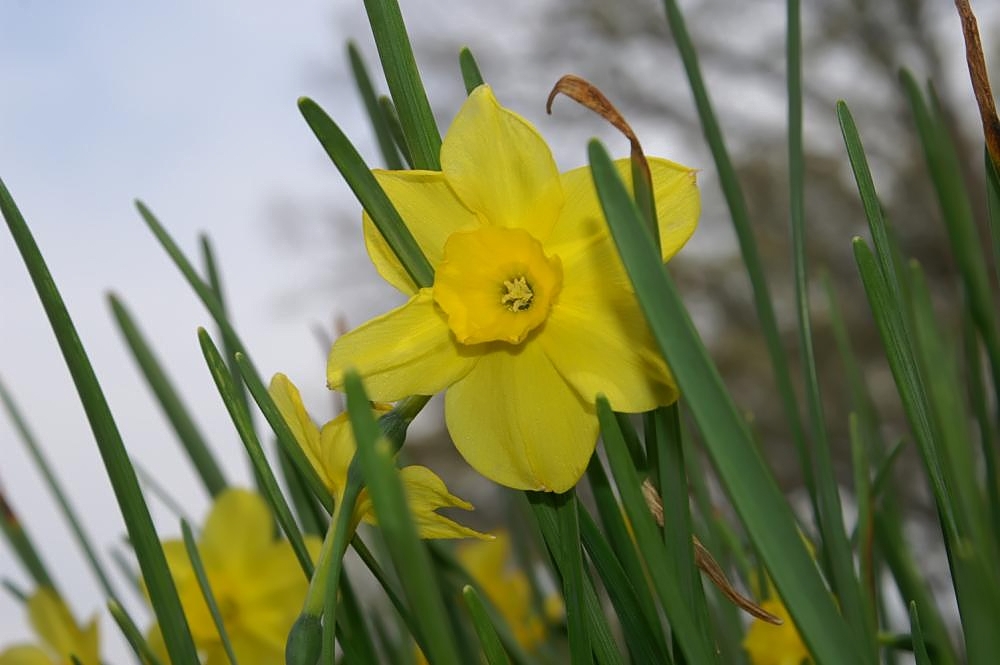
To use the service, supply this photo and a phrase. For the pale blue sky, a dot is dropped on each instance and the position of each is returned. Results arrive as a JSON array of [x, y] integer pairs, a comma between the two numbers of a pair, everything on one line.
[[191, 107]]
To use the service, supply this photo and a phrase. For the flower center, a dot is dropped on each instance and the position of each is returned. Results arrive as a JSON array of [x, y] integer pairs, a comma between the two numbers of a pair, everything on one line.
[[519, 294], [495, 284]]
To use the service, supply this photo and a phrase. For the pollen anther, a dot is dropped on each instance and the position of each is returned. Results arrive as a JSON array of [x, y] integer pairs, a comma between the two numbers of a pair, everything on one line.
[[517, 295]]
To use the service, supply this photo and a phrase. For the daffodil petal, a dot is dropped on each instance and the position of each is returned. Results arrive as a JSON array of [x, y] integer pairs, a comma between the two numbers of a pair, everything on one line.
[[431, 211], [238, 529], [425, 494], [54, 623], [274, 596], [24, 654], [337, 446], [408, 351], [248, 651], [500, 166], [287, 398], [675, 190], [598, 338], [516, 421]]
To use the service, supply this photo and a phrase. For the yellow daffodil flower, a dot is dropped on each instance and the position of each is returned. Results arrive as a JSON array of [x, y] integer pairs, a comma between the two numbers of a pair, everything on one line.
[[531, 313], [508, 589], [767, 644], [256, 580], [60, 635], [330, 450]]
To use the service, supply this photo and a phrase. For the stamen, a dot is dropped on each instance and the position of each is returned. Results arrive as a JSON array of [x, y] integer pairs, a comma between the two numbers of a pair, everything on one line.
[[518, 296]]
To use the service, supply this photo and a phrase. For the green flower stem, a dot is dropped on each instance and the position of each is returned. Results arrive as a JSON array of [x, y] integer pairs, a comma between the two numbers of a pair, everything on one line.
[[328, 586], [191, 547], [142, 534], [395, 423], [408, 553]]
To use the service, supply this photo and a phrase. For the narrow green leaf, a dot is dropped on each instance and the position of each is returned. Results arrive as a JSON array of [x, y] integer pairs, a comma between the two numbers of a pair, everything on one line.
[[130, 631], [736, 202], [569, 561], [177, 414], [241, 420], [684, 626], [640, 636], [885, 296], [610, 513], [55, 487], [678, 532], [920, 654], [355, 639], [836, 552], [865, 523], [376, 115], [142, 534], [14, 590], [22, 546], [944, 165], [392, 120], [407, 551], [211, 302], [979, 396], [605, 650], [230, 343], [310, 514], [405, 86], [488, 638], [471, 75], [752, 489], [191, 547], [993, 213], [359, 178]]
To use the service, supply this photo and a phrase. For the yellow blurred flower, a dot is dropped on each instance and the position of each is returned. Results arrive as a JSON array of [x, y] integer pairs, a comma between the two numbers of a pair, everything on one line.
[[767, 644], [531, 313], [60, 635], [331, 448], [509, 589], [256, 580]]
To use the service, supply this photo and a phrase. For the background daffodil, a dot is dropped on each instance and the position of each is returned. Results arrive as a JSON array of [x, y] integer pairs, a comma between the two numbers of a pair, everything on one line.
[[256, 580], [60, 635], [508, 589], [768, 644], [331, 448], [531, 314]]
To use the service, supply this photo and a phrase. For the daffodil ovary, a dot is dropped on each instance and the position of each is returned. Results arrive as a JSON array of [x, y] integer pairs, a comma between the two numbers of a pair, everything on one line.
[[496, 284]]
